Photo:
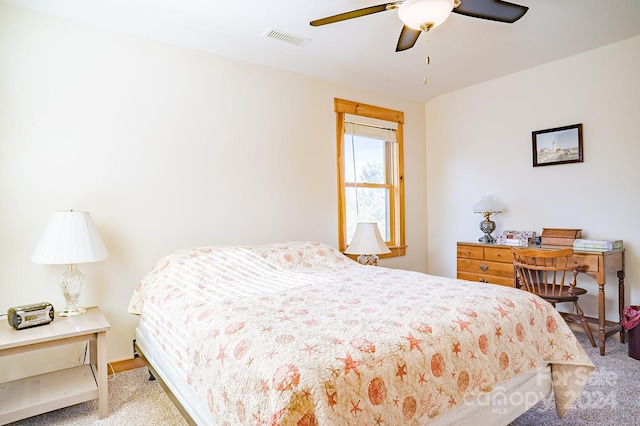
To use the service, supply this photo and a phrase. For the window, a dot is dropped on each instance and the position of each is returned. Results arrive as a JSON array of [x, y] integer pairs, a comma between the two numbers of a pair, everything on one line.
[[370, 172]]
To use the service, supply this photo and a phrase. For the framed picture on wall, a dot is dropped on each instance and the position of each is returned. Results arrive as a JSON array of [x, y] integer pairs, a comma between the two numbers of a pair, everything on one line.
[[561, 145]]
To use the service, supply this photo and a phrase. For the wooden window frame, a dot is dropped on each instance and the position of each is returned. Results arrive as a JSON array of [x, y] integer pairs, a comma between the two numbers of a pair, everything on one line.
[[397, 210]]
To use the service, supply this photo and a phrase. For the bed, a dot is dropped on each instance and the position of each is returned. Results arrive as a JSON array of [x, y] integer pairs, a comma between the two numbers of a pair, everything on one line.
[[299, 334]]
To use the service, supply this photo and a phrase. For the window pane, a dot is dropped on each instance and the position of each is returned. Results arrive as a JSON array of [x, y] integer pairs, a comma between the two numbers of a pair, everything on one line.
[[373, 206], [370, 157]]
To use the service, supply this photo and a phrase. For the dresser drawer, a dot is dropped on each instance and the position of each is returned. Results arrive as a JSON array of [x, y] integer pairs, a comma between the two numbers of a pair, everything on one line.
[[470, 252], [485, 263], [483, 278], [498, 254], [484, 267]]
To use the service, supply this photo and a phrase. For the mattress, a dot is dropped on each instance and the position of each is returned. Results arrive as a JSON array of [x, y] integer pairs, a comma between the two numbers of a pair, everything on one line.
[[500, 407], [171, 378], [504, 404]]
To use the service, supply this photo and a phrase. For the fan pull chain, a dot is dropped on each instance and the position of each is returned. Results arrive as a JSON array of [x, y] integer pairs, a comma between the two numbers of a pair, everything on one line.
[[427, 59]]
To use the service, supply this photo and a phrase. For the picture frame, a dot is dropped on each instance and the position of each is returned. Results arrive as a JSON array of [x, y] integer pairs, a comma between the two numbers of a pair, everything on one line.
[[560, 145]]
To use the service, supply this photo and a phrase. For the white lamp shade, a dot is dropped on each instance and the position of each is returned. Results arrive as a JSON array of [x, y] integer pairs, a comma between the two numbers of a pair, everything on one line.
[[367, 240], [69, 238], [415, 13], [487, 205]]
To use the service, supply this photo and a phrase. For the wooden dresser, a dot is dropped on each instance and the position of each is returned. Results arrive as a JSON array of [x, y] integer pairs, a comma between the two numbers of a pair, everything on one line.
[[485, 263], [491, 263]]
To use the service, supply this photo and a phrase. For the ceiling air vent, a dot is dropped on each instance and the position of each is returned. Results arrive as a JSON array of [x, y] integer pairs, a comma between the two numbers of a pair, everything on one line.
[[287, 38]]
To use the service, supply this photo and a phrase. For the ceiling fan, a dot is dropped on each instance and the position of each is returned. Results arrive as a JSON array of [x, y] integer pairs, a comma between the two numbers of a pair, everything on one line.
[[423, 15]]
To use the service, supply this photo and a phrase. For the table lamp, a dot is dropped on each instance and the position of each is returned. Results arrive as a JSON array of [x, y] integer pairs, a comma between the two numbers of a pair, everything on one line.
[[487, 207], [367, 243], [70, 238]]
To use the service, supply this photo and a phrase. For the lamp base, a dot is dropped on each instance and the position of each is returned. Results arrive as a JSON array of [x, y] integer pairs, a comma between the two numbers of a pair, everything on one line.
[[487, 226], [368, 259], [487, 239], [71, 312], [71, 284]]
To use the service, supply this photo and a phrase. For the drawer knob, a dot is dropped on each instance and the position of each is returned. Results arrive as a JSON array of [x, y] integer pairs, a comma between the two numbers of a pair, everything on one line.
[[482, 280], [483, 267]]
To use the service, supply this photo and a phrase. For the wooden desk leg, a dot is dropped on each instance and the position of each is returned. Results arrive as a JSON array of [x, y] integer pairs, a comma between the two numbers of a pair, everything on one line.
[[98, 352], [621, 302], [601, 318]]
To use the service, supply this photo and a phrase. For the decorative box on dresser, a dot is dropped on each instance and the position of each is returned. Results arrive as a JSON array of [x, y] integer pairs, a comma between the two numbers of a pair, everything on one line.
[[485, 263]]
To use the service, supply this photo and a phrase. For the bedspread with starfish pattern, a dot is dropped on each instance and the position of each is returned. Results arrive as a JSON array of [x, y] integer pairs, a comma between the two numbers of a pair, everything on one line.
[[298, 334]]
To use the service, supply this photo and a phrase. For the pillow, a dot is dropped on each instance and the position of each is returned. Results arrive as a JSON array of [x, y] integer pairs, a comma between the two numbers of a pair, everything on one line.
[[300, 255]]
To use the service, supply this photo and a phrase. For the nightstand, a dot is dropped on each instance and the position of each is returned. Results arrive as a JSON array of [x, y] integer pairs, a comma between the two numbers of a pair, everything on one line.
[[46, 392]]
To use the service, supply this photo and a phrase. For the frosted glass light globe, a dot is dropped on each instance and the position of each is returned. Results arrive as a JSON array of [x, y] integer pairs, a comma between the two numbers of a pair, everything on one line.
[[424, 14]]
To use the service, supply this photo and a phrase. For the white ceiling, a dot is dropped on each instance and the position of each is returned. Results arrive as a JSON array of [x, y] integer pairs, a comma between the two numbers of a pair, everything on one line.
[[361, 52]]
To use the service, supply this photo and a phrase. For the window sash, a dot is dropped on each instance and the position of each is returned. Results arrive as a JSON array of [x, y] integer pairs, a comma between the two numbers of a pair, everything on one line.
[[383, 154], [369, 131], [385, 224]]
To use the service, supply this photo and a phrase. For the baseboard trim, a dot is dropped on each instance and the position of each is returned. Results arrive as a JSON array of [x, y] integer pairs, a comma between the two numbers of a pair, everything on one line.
[[127, 364]]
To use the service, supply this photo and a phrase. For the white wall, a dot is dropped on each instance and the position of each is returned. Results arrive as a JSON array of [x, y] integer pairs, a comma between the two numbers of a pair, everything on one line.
[[167, 148], [479, 141]]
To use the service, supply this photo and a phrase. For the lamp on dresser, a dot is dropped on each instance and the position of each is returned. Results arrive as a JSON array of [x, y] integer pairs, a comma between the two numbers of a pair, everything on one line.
[[367, 243], [70, 238], [487, 207]]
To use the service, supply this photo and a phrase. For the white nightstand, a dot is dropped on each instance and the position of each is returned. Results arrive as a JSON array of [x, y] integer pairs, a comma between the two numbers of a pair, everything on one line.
[[46, 392]]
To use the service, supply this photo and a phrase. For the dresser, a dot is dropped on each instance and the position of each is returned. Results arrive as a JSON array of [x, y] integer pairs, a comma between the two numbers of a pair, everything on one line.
[[485, 263], [492, 263]]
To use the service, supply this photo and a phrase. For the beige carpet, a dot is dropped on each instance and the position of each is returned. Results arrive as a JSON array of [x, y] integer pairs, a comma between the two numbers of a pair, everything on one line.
[[133, 401], [609, 398]]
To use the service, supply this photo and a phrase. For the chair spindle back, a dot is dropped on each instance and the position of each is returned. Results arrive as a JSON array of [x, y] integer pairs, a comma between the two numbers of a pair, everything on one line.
[[545, 271]]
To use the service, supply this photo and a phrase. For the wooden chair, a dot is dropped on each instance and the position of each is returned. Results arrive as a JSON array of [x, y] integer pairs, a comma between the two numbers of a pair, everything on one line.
[[545, 272]]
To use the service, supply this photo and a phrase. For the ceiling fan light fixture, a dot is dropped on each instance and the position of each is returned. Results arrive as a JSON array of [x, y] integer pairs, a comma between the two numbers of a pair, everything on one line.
[[424, 14]]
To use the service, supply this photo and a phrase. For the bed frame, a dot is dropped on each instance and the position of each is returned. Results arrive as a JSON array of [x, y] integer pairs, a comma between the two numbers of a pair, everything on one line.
[[155, 376]]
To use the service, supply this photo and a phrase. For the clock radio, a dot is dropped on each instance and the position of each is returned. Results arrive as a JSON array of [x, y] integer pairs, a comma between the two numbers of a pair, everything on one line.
[[26, 316]]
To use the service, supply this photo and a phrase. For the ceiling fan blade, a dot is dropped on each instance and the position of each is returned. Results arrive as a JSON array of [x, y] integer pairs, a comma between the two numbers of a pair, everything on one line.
[[494, 10], [354, 14], [408, 38]]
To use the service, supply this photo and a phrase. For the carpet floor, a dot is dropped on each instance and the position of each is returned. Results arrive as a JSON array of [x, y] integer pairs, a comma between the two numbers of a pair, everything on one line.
[[609, 398], [134, 400]]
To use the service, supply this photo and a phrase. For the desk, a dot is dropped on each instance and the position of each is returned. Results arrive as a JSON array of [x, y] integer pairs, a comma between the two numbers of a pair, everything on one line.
[[490, 263], [597, 264]]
